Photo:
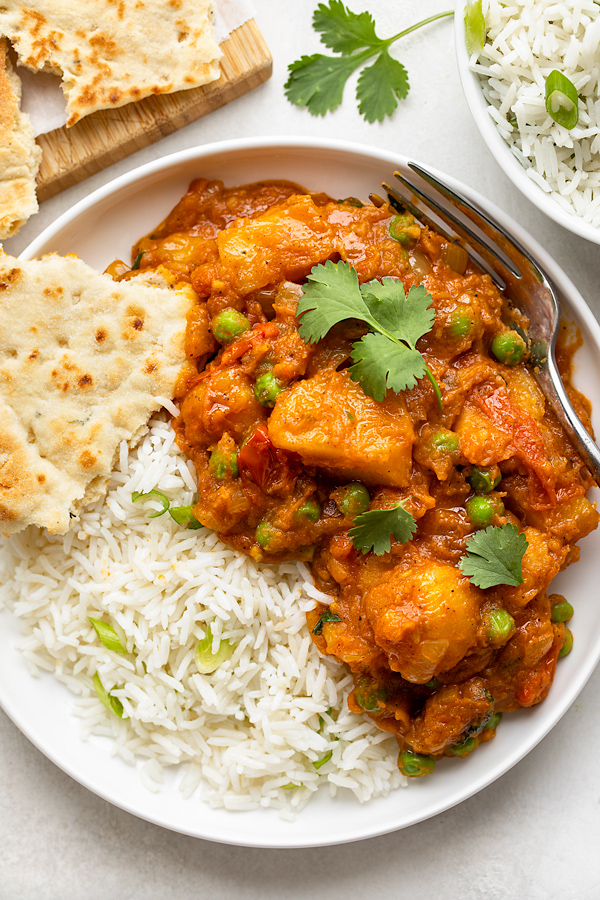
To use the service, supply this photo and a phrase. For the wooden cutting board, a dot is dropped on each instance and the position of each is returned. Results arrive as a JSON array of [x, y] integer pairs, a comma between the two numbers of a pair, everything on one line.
[[71, 154]]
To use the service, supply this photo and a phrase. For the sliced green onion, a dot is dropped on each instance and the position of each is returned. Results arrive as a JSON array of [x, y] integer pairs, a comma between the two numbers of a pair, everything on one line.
[[562, 101], [323, 760], [183, 515], [326, 616], [290, 786], [113, 704], [206, 660], [152, 495], [474, 27], [109, 636], [138, 260]]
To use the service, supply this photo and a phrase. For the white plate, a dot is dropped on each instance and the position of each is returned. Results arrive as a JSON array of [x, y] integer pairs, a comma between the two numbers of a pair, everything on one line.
[[498, 147], [103, 227]]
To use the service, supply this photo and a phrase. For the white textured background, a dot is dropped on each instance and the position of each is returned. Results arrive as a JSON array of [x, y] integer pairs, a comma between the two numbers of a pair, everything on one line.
[[533, 835]]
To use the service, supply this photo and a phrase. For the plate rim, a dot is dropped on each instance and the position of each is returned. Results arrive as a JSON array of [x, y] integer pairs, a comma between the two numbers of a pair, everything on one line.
[[578, 304]]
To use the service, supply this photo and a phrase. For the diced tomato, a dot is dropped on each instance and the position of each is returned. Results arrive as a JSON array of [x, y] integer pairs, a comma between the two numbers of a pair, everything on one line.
[[235, 351], [259, 461], [526, 444]]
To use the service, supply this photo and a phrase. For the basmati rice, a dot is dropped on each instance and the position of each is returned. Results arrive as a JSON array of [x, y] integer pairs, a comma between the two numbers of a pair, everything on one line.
[[525, 41], [247, 735]]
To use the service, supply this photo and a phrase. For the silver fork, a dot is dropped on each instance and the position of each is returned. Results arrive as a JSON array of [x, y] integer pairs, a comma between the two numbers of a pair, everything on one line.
[[515, 273]]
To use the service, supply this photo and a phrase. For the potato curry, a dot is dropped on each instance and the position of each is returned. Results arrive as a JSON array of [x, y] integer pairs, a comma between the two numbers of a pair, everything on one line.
[[291, 453]]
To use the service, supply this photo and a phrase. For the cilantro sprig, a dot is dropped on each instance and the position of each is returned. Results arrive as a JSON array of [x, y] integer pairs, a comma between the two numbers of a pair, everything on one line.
[[373, 530], [318, 81], [386, 357], [495, 556]]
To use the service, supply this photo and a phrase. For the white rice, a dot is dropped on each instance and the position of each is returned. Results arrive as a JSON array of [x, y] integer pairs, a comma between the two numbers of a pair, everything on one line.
[[250, 733], [526, 40]]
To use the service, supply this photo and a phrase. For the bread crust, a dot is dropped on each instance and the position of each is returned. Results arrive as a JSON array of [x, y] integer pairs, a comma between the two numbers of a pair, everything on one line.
[[83, 363], [19, 154], [112, 52]]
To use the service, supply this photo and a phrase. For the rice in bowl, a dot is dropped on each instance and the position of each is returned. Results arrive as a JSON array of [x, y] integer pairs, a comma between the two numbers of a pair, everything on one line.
[[525, 41], [269, 726]]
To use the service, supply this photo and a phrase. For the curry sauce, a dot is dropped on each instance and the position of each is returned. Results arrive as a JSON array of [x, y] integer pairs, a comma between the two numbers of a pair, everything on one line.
[[288, 449]]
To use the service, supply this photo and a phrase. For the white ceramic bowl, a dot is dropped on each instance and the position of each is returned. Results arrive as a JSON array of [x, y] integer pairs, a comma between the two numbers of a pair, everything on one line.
[[103, 227], [498, 147]]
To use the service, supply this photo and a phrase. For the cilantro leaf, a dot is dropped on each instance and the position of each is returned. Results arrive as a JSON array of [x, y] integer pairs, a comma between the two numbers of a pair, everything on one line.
[[373, 529], [344, 31], [326, 616], [318, 81], [380, 86], [495, 556], [381, 364], [331, 295], [407, 318], [387, 358]]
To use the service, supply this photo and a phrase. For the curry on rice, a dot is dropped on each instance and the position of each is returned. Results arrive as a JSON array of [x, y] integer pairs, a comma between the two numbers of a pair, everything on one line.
[[290, 451]]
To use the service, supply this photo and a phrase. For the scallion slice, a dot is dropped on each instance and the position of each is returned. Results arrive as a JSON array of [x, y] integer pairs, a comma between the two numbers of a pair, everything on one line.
[[325, 759], [113, 704], [474, 27], [152, 495], [562, 101], [206, 660], [109, 636], [183, 515]]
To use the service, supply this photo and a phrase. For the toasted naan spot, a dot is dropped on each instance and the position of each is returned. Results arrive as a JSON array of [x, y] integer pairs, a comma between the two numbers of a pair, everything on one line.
[[9, 278], [124, 60], [87, 459], [62, 420]]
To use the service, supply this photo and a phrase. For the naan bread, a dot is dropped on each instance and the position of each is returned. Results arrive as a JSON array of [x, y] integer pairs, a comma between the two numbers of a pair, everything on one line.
[[83, 360], [111, 52], [19, 154]]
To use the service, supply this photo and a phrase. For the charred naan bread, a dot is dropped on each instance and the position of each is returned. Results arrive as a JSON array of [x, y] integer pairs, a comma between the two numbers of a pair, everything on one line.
[[83, 361], [110, 52], [19, 154]]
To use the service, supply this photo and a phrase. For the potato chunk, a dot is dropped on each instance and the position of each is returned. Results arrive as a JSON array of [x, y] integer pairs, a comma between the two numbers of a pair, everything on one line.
[[331, 423], [426, 619]]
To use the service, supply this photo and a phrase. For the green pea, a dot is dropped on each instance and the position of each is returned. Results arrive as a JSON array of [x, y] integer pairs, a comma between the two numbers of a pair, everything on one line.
[[368, 697], [405, 230], [353, 499], [562, 611], [500, 625], [266, 389], [264, 535], [415, 765], [464, 747], [223, 464], [445, 441], [494, 721], [481, 510], [567, 643], [508, 347], [228, 325], [310, 510], [461, 322], [483, 480]]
